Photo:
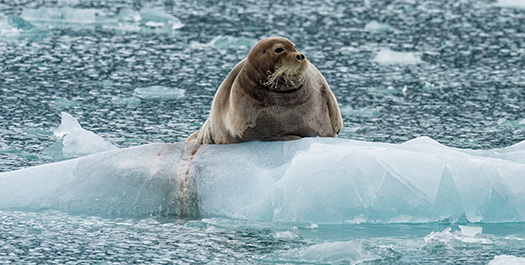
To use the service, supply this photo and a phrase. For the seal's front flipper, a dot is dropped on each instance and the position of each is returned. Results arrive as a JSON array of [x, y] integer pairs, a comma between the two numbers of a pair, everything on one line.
[[193, 137]]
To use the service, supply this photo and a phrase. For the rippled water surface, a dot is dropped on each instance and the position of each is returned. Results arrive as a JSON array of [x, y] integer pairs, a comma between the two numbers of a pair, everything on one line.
[[137, 72]]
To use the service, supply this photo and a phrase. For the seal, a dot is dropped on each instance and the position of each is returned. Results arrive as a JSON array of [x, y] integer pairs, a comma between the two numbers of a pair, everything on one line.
[[275, 94]]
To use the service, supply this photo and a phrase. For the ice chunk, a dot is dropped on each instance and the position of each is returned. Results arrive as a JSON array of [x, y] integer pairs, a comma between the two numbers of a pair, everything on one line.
[[507, 260], [15, 27], [511, 3], [290, 234], [224, 42], [159, 92], [131, 101], [457, 239], [158, 18], [64, 103], [145, 20], [73, 141], [470, 230], [61, 15], [387, 56], [321, 180], [341, 252], [375, 26], [7, 29]]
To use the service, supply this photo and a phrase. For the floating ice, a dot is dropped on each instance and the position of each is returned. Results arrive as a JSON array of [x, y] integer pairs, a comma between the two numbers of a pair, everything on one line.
[[131, 101], [157, 18], [320, 180], [470, 230], [65, 15], [6, 29], [507, 260], [387, 56], [456, 239], [224, 42], [376, 27], [64, 103], [145, 20], [342, 252], [15, 27], [511, 3], [73, 141], [159, 92]]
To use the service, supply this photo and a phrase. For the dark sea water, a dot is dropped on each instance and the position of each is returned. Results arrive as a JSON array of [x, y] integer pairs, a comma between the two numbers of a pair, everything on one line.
[[137, 72]]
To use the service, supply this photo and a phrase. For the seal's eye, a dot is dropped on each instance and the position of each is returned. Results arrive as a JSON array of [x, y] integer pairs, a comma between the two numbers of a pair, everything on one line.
[[279, 50], [264, 52]]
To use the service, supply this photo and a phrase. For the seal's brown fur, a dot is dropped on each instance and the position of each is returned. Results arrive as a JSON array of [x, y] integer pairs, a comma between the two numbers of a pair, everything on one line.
[[273, 94]]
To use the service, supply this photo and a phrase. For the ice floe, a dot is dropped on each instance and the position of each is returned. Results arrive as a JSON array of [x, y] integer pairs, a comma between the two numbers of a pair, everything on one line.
[[319, 180], [387, 56], [74, 141], [143, 20], [159, 92]]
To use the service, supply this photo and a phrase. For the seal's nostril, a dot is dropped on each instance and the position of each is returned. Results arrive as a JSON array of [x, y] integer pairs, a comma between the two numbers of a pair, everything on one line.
[[298, 57], [302, 57]]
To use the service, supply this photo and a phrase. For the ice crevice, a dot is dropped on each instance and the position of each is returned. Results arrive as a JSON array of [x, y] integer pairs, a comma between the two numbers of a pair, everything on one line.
[[320, 180]]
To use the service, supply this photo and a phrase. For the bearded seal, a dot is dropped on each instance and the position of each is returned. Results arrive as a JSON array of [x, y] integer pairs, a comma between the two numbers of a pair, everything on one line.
[[275, 94]]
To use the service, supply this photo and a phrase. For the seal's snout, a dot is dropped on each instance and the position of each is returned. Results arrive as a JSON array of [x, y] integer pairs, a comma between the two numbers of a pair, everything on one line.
[[300, 57]]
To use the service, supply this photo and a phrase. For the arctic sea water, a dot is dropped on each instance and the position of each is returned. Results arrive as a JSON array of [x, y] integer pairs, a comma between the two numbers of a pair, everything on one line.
[[134, 73]]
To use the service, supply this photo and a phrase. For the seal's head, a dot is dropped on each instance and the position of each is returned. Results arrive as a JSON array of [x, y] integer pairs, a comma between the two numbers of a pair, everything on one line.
[[279, 66]]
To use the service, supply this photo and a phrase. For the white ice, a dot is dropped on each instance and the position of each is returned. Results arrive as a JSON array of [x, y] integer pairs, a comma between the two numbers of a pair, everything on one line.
[[7, 29], [377, 27], [318, 180], [73, 141], [471, 231], [339, 252], [225, 42], [457, 238], [159, 92], [387, 56], [507, 260], [511, 3], [147, 19]]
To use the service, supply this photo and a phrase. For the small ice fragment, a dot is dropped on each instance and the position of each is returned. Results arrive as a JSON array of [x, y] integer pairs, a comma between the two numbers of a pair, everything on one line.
[[290, 234], [64, 103], [350, 252], [61, 15], [156, 18], [6, 29], [159, 92], [443, 236], [128, 15], [225, 42], [511, 3], [131, 101], [73, 141], [376, 27], [387, 56], [153, 24], [506, 260], [313, 226], [470, 230]]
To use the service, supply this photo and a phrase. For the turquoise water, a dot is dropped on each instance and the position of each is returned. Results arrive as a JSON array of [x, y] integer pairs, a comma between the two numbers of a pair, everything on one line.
[[141, 72]]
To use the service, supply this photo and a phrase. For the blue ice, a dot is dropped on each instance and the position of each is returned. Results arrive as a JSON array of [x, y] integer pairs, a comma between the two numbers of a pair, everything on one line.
[[321, 180]]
